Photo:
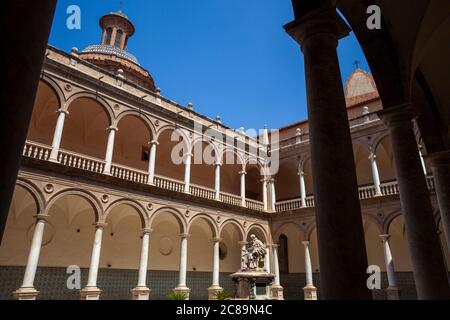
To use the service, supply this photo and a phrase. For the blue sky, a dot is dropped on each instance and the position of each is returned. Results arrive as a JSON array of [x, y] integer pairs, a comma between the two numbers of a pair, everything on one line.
[[228, 57]]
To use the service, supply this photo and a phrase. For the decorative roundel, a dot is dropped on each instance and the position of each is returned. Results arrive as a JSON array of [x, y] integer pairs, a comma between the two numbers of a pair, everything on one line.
[[149, 206], [187, 214], [116, 107], [67, 87], [105, 198], [157, 123], [49, 188], [165, 246], [219, 219]]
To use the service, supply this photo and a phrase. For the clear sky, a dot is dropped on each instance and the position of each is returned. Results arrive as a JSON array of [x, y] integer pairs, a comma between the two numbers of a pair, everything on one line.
[[228, 57]]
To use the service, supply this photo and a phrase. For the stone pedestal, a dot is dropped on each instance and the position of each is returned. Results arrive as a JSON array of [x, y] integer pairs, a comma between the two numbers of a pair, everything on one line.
[[26, 293], [393, 293], [246, 283], [310, 292], [90, 293], [277, 292], [184, 290], [141, 293], [212, 291]]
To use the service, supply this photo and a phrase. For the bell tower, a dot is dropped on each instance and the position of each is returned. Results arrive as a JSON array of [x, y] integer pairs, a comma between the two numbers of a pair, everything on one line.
[[117, 29]]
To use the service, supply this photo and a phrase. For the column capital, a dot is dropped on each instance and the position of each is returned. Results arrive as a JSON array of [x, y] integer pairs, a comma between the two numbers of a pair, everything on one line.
[[372, 156], [438, 159], [306, 243], [154, 142], [398, 115], [112, 128], [385, 237], [218, 164], [217, 239], [42, 217], [146, 231], [188, 155], [100, 225], [275, 246], [243, 243], [301, 173], [324, 20], [66, 112], [184, 236], [243, 172]]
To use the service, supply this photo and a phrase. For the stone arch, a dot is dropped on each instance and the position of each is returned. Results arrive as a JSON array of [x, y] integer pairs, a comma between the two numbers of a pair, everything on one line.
[[35, 193], [132, 203], [56, 88], [235, 223], [208, 219], [92, 96], [148, 123], [279, 230], [174, 212], [183, 133], [211, 144], [375, 221], [93, 201], [389, 219], [239, 157], [261, 229]]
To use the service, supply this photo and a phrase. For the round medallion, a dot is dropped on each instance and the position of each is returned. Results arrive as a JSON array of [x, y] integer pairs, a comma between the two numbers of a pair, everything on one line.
[[49, 188], [165, 246], [105, 198]]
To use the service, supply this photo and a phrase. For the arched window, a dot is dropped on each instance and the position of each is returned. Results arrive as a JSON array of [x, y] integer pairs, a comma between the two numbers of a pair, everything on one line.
[[283, 254], [108, 36], [118, 40]]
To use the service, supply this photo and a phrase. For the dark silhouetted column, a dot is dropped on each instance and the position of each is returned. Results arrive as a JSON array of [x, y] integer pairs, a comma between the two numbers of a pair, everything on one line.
[[26, 27], [342, 251]]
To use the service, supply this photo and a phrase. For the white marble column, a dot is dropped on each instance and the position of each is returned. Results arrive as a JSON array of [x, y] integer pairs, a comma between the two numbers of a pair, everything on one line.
[[375, 173], [243, 196], [110, 149], [274, 196], [217, 180], [309, 290], [264, 194], [187, 172], [215, 287], [57, 136], [91, 292], [267, 269], [277, 289], [152, 162], [27, 290], [142, 292], [392, 290], [182, 288], [301, 174]]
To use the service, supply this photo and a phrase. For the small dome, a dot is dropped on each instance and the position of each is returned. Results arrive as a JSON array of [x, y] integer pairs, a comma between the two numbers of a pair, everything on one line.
[[360, 83]]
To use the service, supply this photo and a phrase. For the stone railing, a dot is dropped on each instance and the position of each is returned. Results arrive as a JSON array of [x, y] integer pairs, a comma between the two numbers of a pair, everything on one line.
[[74, 160], [130, 174], [168, 184], [367, 192], [36, 151], [230, 199], [254, 205], [202, 192]]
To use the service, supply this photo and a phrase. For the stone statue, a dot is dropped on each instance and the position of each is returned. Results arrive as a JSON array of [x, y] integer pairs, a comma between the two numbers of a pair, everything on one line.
[[253, 255]]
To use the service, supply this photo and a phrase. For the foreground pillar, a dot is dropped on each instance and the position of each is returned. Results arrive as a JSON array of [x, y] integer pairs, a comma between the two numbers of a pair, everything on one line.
[[91, 292], [309, 290], [342, 251], [243, 199], [215, 287], [27, 290], [26, 27], [142, 292], [301, 174], [182, 288], [187, 173], [375, 173], [151, 162], [430, 272], [264, 193], [440, 166], [277, 289], [217, 180], [393, 292]]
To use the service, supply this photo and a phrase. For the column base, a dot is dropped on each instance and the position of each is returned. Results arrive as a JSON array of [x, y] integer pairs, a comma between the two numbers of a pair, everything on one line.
[[184, 290], [277, 292], [26, 293], [393, 293], [310, 292], [212, 291], [53, 160], [141, 293], [90, 293]]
